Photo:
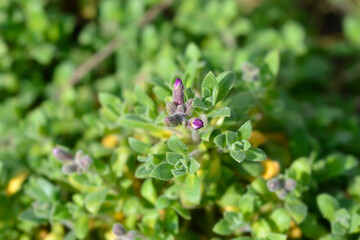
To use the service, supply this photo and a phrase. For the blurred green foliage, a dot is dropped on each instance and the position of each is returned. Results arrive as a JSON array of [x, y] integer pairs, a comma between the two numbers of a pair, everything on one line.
[[305, 105]]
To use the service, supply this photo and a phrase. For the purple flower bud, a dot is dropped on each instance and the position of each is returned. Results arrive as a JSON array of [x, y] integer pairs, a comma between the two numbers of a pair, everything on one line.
[[63, 155], [170, 108], [281, 194], [178, 92], [131, 235], [119, 230], [177, 83], [189, 108], [70, 168], [196, 123], [182, 120], [290, 184], [84, 162], [171, 121], [274, 184], [180, 109]]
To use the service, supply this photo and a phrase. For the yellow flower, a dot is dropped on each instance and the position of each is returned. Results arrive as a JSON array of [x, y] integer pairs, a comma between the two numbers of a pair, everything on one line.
[[257, 138], [109, 141], [271, 169], [15, 183]]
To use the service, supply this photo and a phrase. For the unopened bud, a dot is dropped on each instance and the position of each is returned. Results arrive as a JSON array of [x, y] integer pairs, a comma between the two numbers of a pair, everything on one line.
[[170, 108], [84, 162], [171, 121], [118, 229], [274, 184], [131, 235], [196, 123], [290, 184], [189, 107], [182, 120], [63, 155], [281, 194], [70, 168], [178, 92]]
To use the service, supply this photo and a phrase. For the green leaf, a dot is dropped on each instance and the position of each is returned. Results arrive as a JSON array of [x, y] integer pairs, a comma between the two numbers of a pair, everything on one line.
[[355, 223], [222, 227], [192, 51], [161, 203], [94, 200], [245, 130], [143, 98], [198, 103], [189, 93], [230, 137], [176, 145], [220, 141], [206, 133], [162, 172], [191, 191], [297, 209], [341, 224], [272, 59], [148, 191], [328, 205], [209, 83], [281, 218], [139, 146], [300, 170], [112, 103], [173, 158], [255, 154], [142, 171], [220, 112], [238, 156], [29, 215], [333, 166], [81, 226], [181, 211], [129, 123], [194, 166], [226, 81]]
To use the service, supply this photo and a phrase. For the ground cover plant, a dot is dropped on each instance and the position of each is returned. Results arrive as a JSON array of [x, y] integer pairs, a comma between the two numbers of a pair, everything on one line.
[[209, 119]]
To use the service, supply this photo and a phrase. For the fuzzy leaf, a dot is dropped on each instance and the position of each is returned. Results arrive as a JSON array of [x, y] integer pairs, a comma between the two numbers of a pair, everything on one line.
[[94, 200], [328, 205], [245, 130], [191, 193], [139, 146], [226, 81], [148, 191], [162, 172], [194, 166], [222, 227], [198, 103], [239, 156], [297, 209], [255, 154], [272, 59], [220, 112], [173, 158], [175, 144], [220, 141]]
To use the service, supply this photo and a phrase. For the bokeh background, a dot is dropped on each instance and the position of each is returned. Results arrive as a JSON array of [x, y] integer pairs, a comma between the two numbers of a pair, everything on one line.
[[46, 99]]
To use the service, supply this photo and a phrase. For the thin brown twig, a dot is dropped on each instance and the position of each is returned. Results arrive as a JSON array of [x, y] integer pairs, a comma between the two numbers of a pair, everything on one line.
[[96, 59]]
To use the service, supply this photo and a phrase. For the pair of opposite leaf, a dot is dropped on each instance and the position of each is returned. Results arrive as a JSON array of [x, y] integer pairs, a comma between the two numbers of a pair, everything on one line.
[[179, 111]]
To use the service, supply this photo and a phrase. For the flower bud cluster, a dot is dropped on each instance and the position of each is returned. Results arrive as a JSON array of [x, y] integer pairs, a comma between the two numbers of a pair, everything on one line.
[[281, 186], [250, 71], [78, 163], [179, 111], [121, 233]]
